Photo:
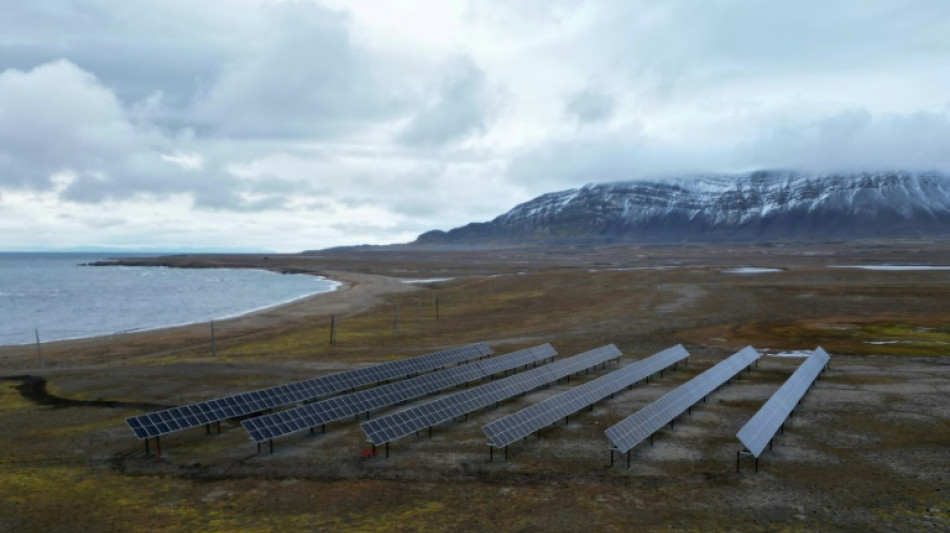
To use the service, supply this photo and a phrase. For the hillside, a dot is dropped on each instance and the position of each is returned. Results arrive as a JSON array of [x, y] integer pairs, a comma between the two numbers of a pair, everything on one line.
[[758, 206]]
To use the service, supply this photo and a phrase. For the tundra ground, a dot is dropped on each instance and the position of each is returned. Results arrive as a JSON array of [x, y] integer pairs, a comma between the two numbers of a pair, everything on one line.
[[866, 450]]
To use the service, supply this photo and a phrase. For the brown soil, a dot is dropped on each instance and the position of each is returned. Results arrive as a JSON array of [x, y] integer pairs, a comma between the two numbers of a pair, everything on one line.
[[867, 450]]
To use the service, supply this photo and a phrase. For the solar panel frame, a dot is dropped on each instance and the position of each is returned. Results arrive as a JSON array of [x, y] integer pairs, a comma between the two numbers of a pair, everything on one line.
[[511, 428], [355, 403], [634, 429], [759, 430], [251, 402], [391, 427]]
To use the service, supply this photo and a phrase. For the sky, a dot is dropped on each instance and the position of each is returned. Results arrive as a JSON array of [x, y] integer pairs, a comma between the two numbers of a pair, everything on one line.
[[297, 125]]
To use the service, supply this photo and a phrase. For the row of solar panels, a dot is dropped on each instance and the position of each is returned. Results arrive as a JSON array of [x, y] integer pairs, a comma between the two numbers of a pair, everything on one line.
[[270, 426], [191, 415], [515, 426], [391, 427], [502, 432], [760, 429], [624, 435], [310, 415], [754, 435], [635, 428]]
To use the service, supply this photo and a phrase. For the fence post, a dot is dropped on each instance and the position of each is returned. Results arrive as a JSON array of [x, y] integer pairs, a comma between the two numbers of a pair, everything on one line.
[[332, 330]]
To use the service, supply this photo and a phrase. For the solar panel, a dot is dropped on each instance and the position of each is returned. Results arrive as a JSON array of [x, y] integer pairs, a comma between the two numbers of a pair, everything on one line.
[[391, 427], [515, 426], [196, 414], [635, 428], [268, 427], [759, 430]]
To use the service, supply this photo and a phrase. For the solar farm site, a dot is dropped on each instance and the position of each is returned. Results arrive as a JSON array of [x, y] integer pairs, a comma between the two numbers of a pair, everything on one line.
[[602, 389]]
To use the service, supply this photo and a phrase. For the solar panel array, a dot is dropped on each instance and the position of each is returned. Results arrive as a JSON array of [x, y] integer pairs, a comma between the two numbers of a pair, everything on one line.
[[759, 430], [391, 427], [197, 414], [267, 427], [635, 428], [510, 428]]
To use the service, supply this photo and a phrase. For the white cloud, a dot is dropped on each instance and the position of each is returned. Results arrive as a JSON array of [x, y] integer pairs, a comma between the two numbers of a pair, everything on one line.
[[186, 160], [57, 117]]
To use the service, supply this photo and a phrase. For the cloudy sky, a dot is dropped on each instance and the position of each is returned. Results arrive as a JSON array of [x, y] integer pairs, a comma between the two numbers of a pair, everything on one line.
[[292, 125]]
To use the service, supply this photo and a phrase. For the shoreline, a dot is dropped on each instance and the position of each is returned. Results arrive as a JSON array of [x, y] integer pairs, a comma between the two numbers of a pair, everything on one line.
[[354, 293], [335, 285]]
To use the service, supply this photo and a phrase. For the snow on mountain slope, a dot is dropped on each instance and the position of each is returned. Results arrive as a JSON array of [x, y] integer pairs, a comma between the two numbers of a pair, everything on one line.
[[762, 205]]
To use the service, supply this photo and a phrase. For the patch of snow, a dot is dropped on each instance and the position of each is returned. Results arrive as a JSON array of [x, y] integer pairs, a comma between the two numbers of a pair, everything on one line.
[[751, 270], [894, 267], [787, 353], [427, 280], [908, 341]]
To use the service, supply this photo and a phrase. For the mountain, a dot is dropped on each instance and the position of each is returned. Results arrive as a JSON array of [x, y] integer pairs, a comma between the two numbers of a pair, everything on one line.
[[757, 206]]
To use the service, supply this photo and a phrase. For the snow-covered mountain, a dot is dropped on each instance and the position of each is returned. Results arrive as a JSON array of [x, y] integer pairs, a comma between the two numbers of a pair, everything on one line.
[[758, 206]]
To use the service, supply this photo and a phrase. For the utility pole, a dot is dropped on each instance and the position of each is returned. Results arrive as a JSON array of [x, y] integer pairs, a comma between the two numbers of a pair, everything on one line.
[[39, 352]]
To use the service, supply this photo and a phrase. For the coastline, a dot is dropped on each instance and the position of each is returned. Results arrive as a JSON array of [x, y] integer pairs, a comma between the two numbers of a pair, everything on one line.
[[355, 292]]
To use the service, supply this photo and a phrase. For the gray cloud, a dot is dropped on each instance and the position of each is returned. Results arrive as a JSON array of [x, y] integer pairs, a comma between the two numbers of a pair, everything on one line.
[[590, 106], [137, 49], [853, 139], [463, 104], [57, 119], [304, 77]]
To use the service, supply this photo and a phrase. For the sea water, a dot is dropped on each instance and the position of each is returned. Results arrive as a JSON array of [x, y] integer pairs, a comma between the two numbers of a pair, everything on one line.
[[55, 295]]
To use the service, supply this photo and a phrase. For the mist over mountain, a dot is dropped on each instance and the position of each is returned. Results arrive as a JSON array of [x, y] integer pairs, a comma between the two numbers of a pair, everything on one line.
[[756, 206]]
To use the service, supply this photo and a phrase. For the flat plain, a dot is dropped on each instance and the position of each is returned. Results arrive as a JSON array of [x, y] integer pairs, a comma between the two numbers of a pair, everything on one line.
[[866, 450]]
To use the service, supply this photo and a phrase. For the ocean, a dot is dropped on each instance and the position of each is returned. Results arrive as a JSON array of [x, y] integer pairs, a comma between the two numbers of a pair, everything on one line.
[[52, 294]]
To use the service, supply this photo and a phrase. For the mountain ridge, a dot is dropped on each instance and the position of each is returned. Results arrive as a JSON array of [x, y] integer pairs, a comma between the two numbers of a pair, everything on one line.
[[756, 206]]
